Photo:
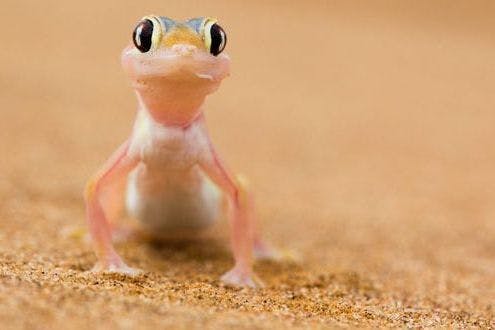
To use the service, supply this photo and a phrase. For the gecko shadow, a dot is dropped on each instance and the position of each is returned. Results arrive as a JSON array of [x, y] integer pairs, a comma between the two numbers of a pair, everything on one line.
[[210, 250], [184, 250]]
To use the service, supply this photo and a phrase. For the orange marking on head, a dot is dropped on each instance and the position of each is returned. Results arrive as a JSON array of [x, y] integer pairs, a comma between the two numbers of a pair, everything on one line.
[[183, 35]]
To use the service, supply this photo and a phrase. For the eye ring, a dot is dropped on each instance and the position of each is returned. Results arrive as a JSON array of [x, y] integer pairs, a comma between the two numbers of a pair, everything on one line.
[[146, 34], [215, 37]]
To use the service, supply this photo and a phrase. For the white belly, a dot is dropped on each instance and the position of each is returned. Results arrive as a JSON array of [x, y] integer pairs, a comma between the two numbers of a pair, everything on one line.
[[168, 190], [172, 200]]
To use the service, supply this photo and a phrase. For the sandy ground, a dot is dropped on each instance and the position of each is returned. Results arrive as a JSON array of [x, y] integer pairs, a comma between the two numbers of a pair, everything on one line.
[[367, 130]]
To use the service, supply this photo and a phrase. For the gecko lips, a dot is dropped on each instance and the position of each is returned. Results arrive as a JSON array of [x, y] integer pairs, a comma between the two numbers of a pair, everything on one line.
[[181, 62]]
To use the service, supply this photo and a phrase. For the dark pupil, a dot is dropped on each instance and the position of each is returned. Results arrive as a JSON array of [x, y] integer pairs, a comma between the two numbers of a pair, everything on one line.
[[142, 35], [218, 39]]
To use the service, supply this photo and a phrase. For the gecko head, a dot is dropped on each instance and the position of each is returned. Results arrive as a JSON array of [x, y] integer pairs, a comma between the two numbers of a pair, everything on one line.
[[174, 65]]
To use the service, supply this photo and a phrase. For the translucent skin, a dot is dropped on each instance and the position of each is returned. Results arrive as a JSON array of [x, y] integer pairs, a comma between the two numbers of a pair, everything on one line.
[[170, 143]]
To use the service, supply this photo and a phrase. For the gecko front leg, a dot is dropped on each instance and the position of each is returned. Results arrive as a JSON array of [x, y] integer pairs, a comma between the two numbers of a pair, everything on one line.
[[242, 220], [114, 170]]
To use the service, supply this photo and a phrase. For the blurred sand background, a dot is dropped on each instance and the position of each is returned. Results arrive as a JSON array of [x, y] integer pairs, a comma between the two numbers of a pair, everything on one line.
[[366, 127]]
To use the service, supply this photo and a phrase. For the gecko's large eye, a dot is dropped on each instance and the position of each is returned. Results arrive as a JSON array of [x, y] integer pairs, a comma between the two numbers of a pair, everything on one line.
[[143, 35], [215, 38]]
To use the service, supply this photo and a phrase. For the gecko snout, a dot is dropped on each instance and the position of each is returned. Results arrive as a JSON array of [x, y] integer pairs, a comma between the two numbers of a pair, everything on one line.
[[184, 49]]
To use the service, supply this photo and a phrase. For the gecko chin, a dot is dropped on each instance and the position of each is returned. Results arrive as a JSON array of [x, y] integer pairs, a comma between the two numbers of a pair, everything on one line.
[[173, 83]]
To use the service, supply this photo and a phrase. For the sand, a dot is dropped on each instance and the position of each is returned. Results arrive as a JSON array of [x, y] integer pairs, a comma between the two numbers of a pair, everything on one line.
[[365, 128]]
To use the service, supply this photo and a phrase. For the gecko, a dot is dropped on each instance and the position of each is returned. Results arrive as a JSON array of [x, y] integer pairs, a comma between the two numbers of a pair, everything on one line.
[[168, 174]]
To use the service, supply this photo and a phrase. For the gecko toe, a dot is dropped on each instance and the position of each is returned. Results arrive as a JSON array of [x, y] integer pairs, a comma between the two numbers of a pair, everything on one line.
[[238, 278]]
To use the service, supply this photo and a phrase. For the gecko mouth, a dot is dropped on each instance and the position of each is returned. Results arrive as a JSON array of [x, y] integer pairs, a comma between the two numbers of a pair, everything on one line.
[[179, 64]]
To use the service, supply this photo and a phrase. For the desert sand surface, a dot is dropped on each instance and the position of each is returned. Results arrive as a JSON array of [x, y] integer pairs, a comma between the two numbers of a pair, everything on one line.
[[365, 127]]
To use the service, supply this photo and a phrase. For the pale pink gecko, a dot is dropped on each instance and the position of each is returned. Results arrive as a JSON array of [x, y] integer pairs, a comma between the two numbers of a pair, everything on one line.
[[168, 169]]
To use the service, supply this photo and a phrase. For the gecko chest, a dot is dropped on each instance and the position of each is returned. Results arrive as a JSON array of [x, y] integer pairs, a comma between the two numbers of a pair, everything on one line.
[[172, 148], [167, 191]]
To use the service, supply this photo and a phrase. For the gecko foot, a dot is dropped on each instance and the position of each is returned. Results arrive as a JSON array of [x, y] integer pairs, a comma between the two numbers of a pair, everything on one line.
[[118, 267], [239, 277]]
